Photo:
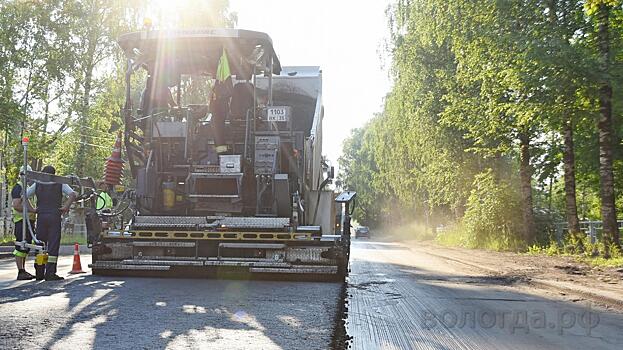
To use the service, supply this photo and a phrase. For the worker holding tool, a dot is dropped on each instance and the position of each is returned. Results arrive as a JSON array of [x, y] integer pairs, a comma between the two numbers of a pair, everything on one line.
[[20, 236], [50, 208]]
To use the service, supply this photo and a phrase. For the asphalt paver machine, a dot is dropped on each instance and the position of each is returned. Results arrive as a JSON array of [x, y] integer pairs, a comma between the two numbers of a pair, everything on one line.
[[224, 146]]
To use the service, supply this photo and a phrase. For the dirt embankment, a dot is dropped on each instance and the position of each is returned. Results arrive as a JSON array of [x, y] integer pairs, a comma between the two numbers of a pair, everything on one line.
[[563, 275]]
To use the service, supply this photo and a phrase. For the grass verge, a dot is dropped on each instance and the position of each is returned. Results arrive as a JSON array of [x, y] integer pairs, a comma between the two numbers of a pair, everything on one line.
[[593, 253], [456, 236], [600, 261]]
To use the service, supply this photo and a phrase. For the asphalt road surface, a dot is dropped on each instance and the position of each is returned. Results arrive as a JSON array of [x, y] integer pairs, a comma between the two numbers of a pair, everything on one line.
[[86, 311], [397, 299], [401, 299]]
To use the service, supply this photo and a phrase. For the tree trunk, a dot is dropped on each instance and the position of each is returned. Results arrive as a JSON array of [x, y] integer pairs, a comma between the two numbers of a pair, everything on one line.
[[525, 174], [606, 176], [84, 109], [568, 161]]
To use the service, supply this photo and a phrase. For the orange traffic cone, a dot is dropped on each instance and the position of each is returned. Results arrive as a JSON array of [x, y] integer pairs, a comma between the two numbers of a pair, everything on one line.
[[77, 268]]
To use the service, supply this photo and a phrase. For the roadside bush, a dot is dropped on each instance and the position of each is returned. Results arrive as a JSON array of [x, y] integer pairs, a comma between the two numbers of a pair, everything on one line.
[[575, 243], [535, 249], [549, 250], [493, 216], [454, 236], [545, 222], [591, 253]]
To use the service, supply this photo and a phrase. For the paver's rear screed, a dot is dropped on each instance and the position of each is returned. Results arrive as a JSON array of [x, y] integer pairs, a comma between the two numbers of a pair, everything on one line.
[[224, 150]]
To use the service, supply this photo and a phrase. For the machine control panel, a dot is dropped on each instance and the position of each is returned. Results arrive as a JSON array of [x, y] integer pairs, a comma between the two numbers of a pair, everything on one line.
[[266, 152]]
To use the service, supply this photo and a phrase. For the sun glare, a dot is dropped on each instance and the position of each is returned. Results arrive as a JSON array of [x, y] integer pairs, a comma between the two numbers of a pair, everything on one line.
[[166, 6], [164, 13]]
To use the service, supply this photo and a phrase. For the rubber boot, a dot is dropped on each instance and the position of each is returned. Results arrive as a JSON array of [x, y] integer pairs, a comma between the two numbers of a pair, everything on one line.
[[40, 260], [23, 275], [39, 272], [50, 272]]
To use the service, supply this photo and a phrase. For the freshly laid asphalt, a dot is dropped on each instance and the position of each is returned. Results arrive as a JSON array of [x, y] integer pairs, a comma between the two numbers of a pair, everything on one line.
[[86, 311]]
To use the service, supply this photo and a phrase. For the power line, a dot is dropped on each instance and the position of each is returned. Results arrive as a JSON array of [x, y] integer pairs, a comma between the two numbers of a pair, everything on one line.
[[98, 137], [92, 128], [90, 144]]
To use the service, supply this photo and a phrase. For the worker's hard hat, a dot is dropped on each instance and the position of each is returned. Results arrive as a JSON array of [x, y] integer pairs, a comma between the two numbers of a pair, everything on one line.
[[24, 169]]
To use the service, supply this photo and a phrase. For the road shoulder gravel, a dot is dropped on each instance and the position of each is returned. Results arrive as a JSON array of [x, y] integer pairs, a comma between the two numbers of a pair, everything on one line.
[[565, 276]]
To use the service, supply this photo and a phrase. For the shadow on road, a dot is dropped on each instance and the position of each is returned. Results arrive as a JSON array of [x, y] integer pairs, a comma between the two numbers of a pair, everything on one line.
[[396, 300], [106, 312]]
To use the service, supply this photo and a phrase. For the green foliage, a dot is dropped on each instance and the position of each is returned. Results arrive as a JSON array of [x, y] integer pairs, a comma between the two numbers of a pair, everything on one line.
[[405, 164], [454, 236], [592, 6], [614, 262], [552, 250], [535, 249], [593, 253], [549, 250], [491, 219], [62, 77], [486, 87]]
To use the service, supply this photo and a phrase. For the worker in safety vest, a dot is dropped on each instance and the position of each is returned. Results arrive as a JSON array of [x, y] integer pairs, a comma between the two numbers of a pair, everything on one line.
[[50, 208], [17, 208], [219, 102], [104, 201]]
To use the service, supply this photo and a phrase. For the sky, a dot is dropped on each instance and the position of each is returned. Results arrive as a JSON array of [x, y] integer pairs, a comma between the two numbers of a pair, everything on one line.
[[345, 38]]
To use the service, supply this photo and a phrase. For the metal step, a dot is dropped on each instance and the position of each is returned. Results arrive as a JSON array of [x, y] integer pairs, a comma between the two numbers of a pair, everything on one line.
[[139, 226], [254, 267], [164, 244], [167, 258], [201, 263], [171, 220], [246, 264], [117, 266], [253, 223], [162, 262], [264, 260], [330, 270], [313, 229], [191, 222], [253, 245]]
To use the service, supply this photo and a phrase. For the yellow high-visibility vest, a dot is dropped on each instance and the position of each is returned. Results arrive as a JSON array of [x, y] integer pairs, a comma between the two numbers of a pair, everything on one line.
[[17, 215], [222, 71], [103, 201]]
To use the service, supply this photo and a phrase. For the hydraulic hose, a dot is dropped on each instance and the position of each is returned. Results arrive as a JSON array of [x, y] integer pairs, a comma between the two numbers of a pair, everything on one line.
[[32, 233]]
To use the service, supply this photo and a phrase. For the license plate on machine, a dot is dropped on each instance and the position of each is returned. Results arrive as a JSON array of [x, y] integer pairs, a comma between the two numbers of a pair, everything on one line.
[[278, 114]]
